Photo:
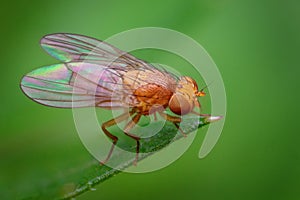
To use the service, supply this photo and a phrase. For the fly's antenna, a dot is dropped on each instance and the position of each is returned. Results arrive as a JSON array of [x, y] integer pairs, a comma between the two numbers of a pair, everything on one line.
[[201, 93], [206, 86]]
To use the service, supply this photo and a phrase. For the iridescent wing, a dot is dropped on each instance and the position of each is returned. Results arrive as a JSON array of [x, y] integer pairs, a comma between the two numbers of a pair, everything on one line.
[[58, 86], [91, 75], [75, 48]]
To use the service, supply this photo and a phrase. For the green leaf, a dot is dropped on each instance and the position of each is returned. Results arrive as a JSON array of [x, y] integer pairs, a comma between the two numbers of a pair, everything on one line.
[[78, 176], [160, 140]]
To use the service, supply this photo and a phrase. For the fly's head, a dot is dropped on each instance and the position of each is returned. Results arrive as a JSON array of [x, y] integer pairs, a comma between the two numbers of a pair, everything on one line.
[[184, 99]]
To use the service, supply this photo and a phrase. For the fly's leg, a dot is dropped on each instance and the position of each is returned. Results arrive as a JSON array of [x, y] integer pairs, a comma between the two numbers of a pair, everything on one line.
[[201, 115], [127, 128], [155, 117], [181, 131], [114, 138], [175, 120], [208, 117]]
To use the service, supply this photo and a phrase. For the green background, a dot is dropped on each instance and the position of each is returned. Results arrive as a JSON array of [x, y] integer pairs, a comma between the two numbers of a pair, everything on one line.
[[254, 43]]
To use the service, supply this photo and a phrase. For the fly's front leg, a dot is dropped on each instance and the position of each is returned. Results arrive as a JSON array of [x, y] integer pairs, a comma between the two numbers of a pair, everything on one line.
[[114, 138], [201, 115], [208, 117], [127, 128], [176, 120]]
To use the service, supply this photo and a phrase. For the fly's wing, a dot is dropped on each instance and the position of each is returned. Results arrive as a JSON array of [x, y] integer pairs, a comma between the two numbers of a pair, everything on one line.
[[75, 48], [59, 86], [78, 48], [91, 75]]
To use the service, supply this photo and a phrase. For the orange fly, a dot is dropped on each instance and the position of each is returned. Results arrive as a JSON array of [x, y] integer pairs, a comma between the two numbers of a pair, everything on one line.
[[94, 73]]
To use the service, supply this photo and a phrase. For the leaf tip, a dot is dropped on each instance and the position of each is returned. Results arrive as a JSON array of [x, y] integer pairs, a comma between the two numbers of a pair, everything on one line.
[[213, 118]]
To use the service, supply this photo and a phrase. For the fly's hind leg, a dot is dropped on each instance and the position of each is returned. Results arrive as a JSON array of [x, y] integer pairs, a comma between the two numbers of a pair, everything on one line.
[[127, 128], [114, 138], [175, 120]]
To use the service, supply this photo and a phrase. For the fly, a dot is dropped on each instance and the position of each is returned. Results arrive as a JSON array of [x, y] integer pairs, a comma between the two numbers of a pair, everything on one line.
[[94, 73]]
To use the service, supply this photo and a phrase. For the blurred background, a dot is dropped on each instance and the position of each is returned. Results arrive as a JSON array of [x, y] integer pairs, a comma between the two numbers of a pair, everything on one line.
[[255, 44]]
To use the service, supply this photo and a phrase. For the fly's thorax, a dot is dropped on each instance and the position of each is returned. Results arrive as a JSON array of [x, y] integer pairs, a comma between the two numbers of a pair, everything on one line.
[[150, 88], [184, 99], [152, 97]]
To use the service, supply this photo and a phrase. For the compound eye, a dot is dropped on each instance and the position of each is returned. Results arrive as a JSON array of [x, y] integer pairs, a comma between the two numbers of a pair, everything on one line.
[[179, 104]]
